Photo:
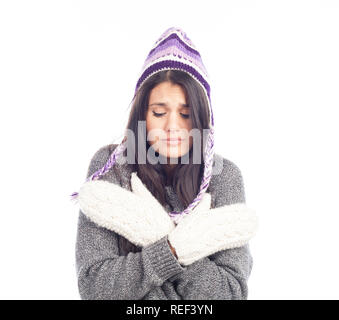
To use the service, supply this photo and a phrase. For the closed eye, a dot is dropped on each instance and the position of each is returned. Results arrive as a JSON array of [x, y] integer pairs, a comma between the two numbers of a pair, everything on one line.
[[186, 116], [158, 115]]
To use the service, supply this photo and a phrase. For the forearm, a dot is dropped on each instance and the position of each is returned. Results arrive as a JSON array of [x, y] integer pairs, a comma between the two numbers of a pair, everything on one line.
[[223, 276]]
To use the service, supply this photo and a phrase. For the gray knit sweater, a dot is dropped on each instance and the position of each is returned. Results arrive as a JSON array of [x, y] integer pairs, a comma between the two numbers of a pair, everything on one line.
[[106, 272]]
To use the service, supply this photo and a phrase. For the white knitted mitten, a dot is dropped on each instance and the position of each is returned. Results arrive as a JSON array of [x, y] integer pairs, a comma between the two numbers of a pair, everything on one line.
[[138, 216], [205, 231]]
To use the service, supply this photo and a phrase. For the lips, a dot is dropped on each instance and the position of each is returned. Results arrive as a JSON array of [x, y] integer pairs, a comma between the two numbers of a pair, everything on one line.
[[172, 139]]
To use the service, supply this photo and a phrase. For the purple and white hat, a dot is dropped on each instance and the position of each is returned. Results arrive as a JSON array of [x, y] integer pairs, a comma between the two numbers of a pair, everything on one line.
[[173, 51]]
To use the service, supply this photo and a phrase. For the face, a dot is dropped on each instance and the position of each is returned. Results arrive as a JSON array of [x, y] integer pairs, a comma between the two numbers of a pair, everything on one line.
[[168, 118]]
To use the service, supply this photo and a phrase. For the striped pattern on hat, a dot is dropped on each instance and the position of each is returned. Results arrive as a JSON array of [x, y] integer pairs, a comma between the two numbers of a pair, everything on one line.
[[175, 51]]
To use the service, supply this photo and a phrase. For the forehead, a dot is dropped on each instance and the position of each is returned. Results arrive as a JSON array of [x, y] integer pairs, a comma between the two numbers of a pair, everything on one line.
[[167, 95]]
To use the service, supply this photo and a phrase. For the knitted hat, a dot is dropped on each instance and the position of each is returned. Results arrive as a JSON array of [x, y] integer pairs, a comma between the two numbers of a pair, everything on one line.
[[173, 51]]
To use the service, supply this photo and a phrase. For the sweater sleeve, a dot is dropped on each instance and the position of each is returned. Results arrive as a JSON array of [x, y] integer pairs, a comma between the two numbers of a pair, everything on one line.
[[223, 275], [105, 275]]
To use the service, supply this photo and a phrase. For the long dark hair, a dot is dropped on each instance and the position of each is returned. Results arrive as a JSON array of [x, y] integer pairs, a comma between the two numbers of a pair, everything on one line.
[[186, 177]]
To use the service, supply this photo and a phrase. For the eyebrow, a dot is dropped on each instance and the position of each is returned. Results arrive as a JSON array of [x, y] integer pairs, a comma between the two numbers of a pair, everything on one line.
[[165, 104]]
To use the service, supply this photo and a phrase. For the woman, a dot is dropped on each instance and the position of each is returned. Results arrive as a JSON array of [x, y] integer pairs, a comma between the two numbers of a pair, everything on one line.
[[162, 216]]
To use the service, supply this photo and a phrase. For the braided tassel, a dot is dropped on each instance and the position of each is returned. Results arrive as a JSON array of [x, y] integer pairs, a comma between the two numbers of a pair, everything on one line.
[[110, 162], [176, 215]]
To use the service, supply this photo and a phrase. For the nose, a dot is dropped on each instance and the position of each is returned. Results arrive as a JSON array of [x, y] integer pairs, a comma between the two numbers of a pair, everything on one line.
[[173, 123]]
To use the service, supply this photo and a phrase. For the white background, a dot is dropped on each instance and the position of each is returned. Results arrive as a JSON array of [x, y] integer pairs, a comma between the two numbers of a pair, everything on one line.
[[67, 75]]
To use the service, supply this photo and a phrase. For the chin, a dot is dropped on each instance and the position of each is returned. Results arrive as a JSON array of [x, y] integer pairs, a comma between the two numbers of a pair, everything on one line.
[[172, 152]]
